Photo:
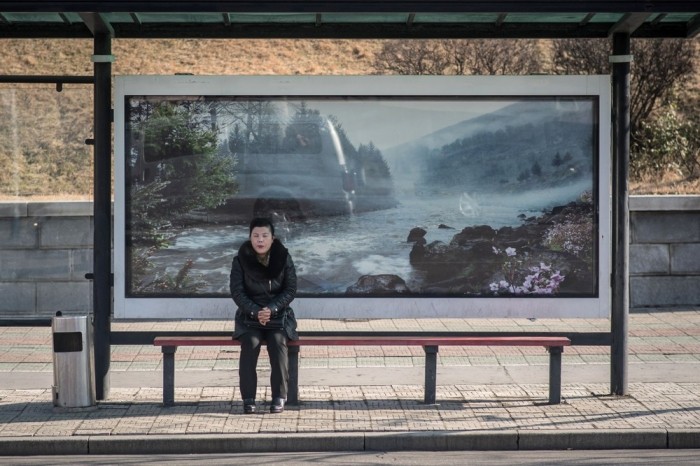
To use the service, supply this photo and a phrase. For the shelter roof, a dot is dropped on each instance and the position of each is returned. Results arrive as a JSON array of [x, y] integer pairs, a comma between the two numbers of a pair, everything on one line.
[[349, 18]]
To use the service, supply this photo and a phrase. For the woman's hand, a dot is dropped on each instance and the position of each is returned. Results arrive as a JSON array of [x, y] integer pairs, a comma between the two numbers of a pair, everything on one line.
[[264, 315]]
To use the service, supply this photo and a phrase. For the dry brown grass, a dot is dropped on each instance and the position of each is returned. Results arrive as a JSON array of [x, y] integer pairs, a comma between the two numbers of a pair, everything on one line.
[[137, 57], [202, 57], [668, 183], [231, 57]]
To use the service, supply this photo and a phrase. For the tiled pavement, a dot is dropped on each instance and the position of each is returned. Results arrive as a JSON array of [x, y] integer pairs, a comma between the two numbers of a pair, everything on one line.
[[655, 336], [660, 410]]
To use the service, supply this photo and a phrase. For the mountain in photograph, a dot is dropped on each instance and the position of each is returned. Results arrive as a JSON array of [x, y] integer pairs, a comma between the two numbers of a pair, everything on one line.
[[527, 145]]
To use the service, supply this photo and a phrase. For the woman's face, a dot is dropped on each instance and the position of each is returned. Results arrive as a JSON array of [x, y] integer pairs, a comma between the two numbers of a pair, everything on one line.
[[261, 237]]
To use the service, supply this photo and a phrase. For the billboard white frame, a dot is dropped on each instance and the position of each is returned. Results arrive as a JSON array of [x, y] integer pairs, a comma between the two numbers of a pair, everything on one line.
[[374, 307]]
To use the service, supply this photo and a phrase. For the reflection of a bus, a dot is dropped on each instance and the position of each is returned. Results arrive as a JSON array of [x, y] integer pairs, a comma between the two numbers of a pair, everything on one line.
[[308, 177]]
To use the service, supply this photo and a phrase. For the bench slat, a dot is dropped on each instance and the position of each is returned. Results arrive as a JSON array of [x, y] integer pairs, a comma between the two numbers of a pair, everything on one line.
[[376, 341]]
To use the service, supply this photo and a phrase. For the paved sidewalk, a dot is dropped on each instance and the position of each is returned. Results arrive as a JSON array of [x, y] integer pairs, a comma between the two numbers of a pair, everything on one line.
[[369, 398]]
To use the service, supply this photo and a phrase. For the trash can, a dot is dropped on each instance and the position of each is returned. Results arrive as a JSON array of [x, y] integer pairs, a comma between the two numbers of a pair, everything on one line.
[[73, 369]]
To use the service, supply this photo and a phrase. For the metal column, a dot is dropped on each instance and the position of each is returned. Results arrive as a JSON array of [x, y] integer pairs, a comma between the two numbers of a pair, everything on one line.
[[169, 375], [102, 261], [293, 384], [431, 353], [555, 374], [619, 319]]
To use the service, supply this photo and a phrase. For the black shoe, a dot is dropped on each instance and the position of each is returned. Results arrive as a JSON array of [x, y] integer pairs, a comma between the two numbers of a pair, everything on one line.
[[249, 406], [277, 405]]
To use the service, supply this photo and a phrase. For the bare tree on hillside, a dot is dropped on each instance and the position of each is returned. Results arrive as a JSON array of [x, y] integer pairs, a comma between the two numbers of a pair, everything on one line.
[[412, 57], [659, 65], [662, 139], [495, 56], [458, 57]]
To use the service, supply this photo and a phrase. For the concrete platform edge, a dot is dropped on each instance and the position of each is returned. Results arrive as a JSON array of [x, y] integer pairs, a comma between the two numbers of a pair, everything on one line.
[[353, 441], [598, 439], [225, 443], [40, 446]]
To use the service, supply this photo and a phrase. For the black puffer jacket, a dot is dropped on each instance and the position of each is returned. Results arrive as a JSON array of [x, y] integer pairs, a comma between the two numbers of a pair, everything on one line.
[[254, 286]]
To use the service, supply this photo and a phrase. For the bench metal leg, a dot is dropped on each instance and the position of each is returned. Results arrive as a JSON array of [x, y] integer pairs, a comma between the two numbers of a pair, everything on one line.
[[293, 385], [430, 373], [169, 375], [555, 374]]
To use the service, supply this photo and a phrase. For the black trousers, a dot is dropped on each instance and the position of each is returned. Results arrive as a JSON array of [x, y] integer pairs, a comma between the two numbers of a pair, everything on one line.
[[251, 342]]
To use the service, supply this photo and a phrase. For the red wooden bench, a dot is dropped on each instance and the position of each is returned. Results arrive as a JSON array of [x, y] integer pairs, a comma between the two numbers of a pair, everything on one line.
[[430, 344]]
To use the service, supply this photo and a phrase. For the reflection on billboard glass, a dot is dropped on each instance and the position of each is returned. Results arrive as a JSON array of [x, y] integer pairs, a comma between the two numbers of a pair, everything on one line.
[[374, 196]]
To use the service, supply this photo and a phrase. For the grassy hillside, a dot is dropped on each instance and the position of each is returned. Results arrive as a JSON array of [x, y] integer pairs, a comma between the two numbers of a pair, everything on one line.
[[168, 56], [28, 144]]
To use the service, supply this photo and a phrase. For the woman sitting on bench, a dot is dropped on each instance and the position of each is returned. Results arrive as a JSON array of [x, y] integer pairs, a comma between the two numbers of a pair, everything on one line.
[[263, 283]]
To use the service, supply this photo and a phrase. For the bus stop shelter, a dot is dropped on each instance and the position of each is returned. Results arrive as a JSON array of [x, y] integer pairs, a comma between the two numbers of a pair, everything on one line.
[[620, 21]]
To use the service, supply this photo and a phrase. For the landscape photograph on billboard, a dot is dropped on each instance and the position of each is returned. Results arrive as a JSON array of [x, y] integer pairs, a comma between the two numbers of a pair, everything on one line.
[[482, 198]]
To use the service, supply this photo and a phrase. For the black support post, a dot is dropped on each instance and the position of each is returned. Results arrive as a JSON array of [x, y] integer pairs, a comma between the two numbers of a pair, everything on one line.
[[102, 261], [169, 375], [619, 319], [431, 353], [555, 374], [293, 384]]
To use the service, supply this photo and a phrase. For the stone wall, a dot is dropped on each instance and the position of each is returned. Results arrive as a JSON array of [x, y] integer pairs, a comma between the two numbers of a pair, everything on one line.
[[664, 251], [46, 250]]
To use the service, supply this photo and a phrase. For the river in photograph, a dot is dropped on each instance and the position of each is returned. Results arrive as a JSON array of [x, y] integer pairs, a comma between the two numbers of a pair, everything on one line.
[[332, 253]]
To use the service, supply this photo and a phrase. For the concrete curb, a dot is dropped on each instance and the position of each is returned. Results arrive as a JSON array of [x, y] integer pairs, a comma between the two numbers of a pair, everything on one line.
[[682, 438], [226, 443], [442, 441], [39, 446], [599, 439], [353, 441]]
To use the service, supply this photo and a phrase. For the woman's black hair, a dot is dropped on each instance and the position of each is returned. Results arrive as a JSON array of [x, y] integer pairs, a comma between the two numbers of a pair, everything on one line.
[[261, 222]]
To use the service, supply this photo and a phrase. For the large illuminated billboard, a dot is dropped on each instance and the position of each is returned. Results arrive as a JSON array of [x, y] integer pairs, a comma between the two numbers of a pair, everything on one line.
[[396, 196]]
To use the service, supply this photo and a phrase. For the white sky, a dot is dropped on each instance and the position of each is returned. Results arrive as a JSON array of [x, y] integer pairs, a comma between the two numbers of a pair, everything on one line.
[[388, 123]]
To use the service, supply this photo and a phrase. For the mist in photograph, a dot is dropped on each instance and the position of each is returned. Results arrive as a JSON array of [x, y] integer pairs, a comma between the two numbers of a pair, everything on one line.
[[373, 197]]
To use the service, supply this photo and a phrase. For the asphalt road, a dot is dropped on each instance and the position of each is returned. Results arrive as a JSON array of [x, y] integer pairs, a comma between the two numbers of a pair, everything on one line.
[[476, 458]]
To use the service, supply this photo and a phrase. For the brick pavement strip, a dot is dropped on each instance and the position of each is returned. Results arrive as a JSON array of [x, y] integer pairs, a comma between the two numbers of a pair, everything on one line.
[[210, 410], [657, 336], [381, 416]]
